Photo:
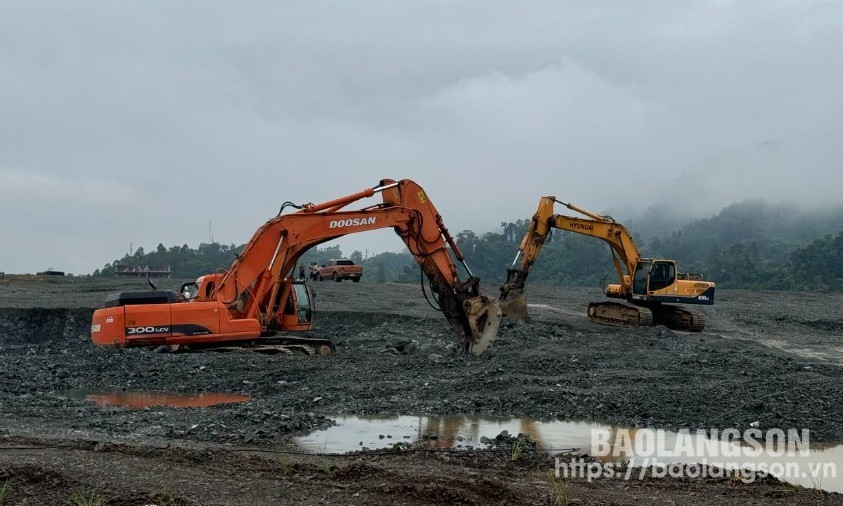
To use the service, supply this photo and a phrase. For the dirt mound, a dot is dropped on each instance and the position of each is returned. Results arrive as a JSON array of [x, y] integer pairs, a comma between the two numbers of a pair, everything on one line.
[[37, 325]]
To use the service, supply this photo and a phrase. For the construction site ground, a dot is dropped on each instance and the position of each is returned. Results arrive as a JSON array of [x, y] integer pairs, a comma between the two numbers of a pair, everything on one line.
[[766, 359]]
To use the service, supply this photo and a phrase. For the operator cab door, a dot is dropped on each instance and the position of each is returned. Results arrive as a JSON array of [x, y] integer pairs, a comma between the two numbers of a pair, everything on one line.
[[662, 275], [304, 298], [639, 279], [298, 310]]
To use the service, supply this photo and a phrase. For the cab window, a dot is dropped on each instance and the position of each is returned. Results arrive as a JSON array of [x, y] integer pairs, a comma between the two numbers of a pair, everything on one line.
[[639, 279], [662, 275], [190, 290], [303, 299]]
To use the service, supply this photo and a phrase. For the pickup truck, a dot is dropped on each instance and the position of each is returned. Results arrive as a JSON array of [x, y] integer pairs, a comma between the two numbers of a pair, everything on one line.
[[339, 269]]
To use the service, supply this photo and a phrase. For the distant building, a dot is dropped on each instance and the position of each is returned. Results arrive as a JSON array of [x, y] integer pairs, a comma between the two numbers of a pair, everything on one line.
[[143, 271], [50, 272]]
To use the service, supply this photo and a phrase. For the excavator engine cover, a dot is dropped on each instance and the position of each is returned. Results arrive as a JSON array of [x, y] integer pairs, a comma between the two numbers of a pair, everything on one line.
[[146, 297]]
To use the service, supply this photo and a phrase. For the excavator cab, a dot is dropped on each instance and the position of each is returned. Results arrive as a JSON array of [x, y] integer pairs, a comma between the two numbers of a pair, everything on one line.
[[200, 290], [653, 275], [298, 311]]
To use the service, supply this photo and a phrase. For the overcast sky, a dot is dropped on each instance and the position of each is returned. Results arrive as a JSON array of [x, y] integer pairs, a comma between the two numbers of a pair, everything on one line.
[[132, 124]]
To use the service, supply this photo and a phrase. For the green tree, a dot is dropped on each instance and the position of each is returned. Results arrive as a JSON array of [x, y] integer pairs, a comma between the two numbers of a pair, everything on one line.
[[819, 265]]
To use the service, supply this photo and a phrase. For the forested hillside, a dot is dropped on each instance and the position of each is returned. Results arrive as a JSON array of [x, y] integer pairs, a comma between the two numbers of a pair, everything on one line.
[[746, 245]]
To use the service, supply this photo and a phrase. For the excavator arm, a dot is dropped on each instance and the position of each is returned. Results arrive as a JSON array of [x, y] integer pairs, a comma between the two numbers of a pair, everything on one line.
[[625, 251], [255, 281]]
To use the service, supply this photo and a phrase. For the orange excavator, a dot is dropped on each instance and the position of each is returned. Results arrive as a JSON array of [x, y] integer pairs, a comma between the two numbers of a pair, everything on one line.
[[258, 295], [651, 286]]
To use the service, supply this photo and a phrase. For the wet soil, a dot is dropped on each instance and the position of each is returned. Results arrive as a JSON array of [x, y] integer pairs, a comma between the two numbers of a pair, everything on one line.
[[771, 359]]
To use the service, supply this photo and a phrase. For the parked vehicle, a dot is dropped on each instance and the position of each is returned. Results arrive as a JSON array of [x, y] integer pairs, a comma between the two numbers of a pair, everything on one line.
[[339, 269]]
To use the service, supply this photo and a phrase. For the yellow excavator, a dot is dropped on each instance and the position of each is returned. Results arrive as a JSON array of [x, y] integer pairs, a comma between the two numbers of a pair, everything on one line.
[[651, 286]]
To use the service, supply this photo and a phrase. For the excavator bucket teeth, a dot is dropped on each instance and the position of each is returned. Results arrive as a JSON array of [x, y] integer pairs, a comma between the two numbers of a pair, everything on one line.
[[484, 318], [513, 305]]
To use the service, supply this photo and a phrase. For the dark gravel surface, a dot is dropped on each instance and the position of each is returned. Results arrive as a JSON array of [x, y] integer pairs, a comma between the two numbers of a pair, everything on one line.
[[395, 356]]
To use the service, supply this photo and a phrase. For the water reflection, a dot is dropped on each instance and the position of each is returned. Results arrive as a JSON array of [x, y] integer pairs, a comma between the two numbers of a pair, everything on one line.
[[140, 400], [451, 431]]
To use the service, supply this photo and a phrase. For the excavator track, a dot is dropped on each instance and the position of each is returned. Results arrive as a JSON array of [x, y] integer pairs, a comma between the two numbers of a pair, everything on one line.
[[619, 315], [268, 345], [624, 315], [677, 318]]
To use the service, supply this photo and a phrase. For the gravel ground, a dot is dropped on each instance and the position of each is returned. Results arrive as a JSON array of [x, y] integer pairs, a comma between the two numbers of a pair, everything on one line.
[[768, 357]]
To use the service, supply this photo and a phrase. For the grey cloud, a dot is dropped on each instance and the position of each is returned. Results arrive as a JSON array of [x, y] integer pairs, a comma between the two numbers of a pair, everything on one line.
[[138, 123]]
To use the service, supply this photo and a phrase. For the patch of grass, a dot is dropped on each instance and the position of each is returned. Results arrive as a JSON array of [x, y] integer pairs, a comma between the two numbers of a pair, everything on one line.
[[286, 465], [92, 498], [558, 491], [163, 497], [6, 490], [327, 467], [558, 488], [517, 450], [817, 482]]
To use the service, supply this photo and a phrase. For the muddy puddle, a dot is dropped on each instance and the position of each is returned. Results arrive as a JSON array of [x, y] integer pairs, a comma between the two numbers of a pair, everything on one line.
[[801, 463], [449, 432], [139, 400]]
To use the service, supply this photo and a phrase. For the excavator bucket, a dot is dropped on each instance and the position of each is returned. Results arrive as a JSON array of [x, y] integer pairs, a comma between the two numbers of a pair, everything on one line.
[[484, 318], [513, 303]]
